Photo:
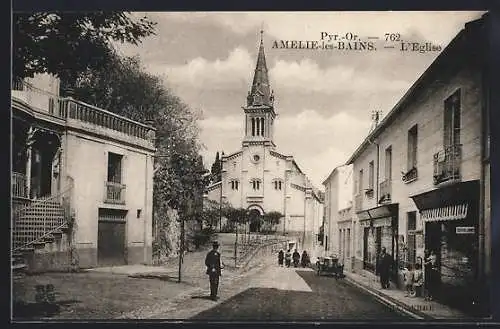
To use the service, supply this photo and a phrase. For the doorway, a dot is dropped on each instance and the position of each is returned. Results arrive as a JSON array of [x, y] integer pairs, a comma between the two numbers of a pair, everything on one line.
[[111, 241]]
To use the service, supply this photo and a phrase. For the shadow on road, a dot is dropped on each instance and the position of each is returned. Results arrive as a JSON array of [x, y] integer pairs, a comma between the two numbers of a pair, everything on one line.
[[201, 297], [29, 311]]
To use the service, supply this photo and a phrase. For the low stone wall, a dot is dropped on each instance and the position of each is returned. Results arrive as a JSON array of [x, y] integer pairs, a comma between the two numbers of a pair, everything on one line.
[[263, 251]]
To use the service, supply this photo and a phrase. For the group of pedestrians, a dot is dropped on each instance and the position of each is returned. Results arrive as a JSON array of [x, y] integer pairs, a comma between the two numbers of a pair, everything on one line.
[[286, 258], [416, 281]]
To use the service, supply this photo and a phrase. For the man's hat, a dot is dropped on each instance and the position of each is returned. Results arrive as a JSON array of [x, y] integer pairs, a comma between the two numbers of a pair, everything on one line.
[[215, 243]]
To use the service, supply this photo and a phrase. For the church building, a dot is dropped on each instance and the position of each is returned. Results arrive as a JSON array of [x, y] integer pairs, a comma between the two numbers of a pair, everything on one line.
[[261, 179]]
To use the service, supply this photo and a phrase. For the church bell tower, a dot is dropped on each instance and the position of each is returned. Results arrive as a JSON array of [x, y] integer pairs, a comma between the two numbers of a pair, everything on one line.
[[259, 109]]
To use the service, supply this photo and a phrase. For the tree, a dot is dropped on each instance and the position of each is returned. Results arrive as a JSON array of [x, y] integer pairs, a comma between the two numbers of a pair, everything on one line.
[[216, 169], [66, 44], [272, 219], [124, 87]]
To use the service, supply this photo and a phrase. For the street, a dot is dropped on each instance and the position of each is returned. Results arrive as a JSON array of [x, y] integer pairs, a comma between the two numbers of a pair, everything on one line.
[[288, 294]]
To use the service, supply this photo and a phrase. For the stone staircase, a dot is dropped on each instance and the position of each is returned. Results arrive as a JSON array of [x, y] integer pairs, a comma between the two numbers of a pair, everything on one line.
[[39, 223]]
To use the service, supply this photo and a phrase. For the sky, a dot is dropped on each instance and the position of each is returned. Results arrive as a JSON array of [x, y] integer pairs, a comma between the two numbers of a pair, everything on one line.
[[324, 98]]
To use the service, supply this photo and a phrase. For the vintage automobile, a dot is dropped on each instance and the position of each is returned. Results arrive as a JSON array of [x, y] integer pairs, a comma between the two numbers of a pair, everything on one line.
[[329, 266]]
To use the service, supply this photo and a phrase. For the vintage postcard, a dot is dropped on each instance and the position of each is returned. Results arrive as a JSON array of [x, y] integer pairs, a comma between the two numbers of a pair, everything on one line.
[[250, 166]]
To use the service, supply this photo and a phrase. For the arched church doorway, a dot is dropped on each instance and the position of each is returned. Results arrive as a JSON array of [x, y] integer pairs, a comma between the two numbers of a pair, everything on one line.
[[255, 220]]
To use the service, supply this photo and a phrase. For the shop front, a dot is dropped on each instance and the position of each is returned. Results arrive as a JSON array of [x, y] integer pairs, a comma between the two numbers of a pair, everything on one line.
[[451, 218], [379, 226]]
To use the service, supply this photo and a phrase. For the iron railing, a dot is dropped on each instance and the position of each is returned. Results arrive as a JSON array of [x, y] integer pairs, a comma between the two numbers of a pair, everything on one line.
[[19, 189], [385, 190], [114, 193], [410, 176], [69, 108], [36, 222], [447, 164]]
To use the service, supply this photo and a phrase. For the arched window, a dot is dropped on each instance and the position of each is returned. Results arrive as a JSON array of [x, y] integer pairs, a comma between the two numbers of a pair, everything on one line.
[[234, 184], [262, 126], [255, 184], [277, 184]]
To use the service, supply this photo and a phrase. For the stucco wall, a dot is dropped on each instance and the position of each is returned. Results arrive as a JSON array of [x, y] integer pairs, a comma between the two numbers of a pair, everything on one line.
[[89, 192]]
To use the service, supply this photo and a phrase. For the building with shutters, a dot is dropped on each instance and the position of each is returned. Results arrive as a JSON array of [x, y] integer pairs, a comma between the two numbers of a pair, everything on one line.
[[340, 222], [82, 182], [422, 176], [261, 179]]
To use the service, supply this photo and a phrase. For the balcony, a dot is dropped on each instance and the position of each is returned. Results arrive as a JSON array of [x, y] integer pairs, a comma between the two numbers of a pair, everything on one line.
[[358, 202], [74, 111], [410, 176], [385, 191], [115, 193], [19, 185], [447, 164]]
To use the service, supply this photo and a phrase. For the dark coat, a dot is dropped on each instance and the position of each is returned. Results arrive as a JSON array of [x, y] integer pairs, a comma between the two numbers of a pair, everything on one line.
[[281, 255], [296, 256], [212, 261], [384, 264]]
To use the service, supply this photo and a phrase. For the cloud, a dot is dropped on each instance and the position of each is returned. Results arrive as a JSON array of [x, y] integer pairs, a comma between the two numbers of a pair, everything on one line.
[[318, 143], [308, 74], [219, 74]]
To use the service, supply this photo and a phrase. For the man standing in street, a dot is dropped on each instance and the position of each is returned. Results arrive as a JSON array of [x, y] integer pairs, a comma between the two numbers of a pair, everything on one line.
[[213, 263], [384, 268]]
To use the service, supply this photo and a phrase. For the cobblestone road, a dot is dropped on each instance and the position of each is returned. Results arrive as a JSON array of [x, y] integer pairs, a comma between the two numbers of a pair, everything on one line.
[[307, 297]]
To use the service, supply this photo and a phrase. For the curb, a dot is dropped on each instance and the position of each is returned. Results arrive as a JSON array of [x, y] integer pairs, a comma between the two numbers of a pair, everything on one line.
[[391, 302]]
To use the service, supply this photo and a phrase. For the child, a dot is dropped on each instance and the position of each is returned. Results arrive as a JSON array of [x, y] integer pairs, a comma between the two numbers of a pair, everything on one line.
[[418, 279], [408, 280]]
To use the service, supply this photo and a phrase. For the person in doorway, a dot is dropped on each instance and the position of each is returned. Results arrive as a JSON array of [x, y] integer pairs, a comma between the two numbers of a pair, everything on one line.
[[432, 274], [408, 276], [304, 260], [384, 268], [288, 258], [296, 258], [214, 267], [281, 256], [418, 279]]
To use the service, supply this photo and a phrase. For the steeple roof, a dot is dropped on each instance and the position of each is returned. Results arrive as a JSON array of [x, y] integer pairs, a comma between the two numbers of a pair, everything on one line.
[[260, 94]]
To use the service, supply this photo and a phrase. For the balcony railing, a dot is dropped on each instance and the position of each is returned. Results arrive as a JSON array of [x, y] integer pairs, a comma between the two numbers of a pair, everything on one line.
[[358, 202], [410, 176], [115, 193], [69, 108], [19, 185], [447, 164], [385, 191]]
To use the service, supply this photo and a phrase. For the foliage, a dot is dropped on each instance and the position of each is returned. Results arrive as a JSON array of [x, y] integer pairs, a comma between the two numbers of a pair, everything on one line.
[[236, 215], [216, 169], [124, 87], [67, 44], [271, 220]]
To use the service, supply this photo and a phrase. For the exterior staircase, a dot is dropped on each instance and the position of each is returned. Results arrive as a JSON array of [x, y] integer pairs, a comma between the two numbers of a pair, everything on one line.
[[40, 222]]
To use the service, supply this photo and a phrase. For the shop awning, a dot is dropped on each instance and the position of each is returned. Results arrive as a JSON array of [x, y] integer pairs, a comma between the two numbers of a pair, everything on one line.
[[452, 195], [388, 210], [445, 213]]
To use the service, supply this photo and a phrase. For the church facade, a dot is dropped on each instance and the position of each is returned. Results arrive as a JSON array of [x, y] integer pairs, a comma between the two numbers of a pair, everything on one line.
[[261, 179]]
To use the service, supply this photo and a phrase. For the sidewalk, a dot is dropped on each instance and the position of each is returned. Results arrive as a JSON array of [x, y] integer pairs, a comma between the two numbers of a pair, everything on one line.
[[416, 307], [194, 301]]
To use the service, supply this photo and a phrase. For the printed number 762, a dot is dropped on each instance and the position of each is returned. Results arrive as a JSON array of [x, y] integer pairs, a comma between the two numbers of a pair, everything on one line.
[[392, 37]]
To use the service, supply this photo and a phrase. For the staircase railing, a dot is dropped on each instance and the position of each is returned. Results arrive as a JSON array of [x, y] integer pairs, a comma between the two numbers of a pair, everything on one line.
[[38, 220]]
